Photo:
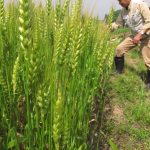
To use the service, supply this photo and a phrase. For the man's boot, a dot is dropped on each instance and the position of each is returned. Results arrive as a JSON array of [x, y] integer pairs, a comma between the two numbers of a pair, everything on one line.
[[119, 64], [148, 80]]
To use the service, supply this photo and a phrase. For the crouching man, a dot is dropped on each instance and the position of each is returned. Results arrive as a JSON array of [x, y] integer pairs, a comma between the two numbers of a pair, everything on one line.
[[135, 15]]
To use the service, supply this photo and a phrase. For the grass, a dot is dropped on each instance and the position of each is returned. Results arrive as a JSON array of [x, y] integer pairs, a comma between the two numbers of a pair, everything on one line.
[[123, 86], [140, 113], [129, 95]]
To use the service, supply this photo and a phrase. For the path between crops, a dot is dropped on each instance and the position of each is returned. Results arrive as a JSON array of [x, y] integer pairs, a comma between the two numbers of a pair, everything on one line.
[[127, 115]]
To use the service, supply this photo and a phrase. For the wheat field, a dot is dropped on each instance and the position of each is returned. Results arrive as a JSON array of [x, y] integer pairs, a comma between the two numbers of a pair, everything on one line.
[[54, 61]]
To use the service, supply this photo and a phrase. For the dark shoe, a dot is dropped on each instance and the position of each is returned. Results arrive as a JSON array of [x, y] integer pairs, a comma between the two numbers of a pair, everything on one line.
[[148, 80], [119, 64], [148, 86]]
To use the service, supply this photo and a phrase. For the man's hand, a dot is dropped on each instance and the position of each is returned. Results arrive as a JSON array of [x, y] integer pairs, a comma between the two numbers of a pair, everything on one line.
[[137, 38], [114, 26]]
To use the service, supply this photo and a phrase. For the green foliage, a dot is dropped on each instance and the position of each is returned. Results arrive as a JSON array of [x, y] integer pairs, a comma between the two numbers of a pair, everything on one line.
[[140, 113], [52, 64], [130, 101], [114, 17], [129, 87], [112, 145], [139, 133]]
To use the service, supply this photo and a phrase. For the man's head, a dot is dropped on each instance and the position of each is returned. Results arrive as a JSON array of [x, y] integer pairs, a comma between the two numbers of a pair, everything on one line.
[[124, 3]]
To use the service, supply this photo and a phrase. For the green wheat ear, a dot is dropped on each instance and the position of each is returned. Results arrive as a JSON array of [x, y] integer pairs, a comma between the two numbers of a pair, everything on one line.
[[3, 83], [110, 17], [15, 74], [48, 6], [24, 27], [58, 119], [1, 12], [65, 9]]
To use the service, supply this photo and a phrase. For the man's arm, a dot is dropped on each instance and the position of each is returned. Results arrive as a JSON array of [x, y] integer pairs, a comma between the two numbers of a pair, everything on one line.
[[145, 11]]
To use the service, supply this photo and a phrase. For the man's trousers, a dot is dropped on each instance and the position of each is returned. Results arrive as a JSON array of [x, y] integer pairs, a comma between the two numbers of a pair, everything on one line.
[[128, 44]]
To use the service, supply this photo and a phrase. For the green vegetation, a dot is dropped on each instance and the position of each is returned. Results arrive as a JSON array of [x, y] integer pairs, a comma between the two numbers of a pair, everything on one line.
[[128, 122], [54, 67], [115, 15]]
